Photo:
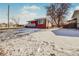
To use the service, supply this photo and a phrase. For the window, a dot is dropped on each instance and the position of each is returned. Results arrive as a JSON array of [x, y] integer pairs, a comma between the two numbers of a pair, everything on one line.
[[41, 21], [29, 22]]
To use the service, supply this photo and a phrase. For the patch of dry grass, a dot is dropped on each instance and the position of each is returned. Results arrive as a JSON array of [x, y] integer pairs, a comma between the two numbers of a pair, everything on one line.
[[3, 52]]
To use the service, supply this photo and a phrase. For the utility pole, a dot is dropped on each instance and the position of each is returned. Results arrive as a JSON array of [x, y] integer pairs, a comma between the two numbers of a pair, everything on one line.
[[8, 16]]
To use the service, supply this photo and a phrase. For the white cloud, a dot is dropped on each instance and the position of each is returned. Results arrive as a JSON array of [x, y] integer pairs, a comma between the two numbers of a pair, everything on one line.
[[31, 8]]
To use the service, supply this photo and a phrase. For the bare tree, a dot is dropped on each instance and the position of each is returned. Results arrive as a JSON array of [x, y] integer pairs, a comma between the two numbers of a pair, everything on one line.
[[15, 20], [58, 11]]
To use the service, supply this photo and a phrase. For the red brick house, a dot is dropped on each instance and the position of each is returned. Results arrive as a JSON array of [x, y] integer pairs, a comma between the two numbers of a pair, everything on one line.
[[39, 23]]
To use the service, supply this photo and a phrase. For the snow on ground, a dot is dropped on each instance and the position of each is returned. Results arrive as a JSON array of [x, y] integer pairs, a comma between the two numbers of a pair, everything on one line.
[[10, 34], [67, 32], [41, 42]]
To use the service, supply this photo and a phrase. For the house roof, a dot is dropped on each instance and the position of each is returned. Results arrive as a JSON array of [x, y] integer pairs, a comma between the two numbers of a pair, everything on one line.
[[76, 10]]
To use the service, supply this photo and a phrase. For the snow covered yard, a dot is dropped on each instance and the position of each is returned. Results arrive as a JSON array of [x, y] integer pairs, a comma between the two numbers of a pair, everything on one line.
[[15, 33], [26, 44], [66, 32], [39, 42]]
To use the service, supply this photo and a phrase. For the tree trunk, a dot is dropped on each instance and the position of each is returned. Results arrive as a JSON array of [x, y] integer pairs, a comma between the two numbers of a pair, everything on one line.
[[59, 19]]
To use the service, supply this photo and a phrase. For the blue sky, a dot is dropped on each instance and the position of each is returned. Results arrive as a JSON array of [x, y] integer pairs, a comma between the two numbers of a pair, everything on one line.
[[23, 11], [28, 11]]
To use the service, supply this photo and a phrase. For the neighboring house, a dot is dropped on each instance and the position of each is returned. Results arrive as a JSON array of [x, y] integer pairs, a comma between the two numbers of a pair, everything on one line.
[[70, 24], [76, 16], [39, 23], [74, 22]]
